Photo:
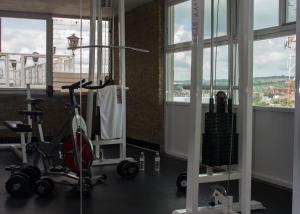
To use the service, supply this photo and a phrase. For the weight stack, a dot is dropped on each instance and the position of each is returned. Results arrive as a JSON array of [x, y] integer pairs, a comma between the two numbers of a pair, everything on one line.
[[220, 140]]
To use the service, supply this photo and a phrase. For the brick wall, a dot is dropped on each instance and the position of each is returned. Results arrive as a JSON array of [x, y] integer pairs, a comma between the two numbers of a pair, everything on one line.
[[55, 113], [145, 72]]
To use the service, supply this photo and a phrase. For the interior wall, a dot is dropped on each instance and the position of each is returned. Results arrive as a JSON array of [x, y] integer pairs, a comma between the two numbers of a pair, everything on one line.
[[272, 141], [144, 72], [55, 112]]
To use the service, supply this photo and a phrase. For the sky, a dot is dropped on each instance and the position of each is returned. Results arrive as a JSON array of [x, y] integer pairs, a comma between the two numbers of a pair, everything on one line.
[[270, 56], [29, 35]]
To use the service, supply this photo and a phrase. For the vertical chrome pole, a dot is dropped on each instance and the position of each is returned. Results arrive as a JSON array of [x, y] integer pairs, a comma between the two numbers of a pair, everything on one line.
[[231, 60], [122, 74], [245, 42], [90, 97], [194, 146], [99, 42], [296, 171], [212, 22]]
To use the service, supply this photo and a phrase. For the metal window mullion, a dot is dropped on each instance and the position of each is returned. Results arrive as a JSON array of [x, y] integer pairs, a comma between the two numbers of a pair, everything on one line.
[[170, 3], [282, 12], [274, 32], [49, 52]]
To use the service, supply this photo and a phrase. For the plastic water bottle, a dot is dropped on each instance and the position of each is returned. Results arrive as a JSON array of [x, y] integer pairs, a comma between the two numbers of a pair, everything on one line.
[[157, 162], [101, 155], [142, 162]]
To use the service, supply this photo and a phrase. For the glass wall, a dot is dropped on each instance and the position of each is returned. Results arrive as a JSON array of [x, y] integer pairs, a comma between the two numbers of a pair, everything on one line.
[[22, 52], [273, 57]]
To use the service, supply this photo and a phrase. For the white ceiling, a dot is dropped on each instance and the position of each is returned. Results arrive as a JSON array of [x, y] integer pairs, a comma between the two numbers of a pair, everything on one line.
[[58, 7]]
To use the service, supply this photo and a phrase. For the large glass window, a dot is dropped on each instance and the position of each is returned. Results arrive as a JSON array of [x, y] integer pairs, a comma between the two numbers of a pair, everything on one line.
[[66, 65], [220, 18], [220, 64], [179, 76], [274, 72], [291, 10], [22, 54], [266, 13], [180, 29]]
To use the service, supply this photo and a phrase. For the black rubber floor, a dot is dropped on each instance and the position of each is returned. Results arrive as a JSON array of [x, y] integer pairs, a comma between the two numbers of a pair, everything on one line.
[[149, 193]]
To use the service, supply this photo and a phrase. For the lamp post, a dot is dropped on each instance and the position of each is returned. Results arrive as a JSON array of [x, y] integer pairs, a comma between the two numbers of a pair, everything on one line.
[[73, 43], [13, 63], [35, 60]]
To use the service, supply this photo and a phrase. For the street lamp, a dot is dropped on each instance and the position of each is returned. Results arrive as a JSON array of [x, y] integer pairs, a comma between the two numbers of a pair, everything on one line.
[[13, 63], [35, 59], [73, 43]]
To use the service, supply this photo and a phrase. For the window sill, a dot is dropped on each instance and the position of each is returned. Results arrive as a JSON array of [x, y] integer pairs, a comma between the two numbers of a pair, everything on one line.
[[21, 90], [255, 108]]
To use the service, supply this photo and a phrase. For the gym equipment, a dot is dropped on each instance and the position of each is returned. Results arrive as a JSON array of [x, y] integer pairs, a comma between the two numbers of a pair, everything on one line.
[[96, 12], [218, 196], [220, 140], [127, 168], [23, 130], [68, 147], [181, 182], [21, 179], [242, 172]]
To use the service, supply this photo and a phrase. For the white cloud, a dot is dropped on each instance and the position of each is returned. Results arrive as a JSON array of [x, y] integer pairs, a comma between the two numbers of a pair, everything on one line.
[[181, 34]]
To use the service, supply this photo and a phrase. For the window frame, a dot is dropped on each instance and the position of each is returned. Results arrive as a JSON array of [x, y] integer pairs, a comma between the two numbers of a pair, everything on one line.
[[284, 28], [49, 44]]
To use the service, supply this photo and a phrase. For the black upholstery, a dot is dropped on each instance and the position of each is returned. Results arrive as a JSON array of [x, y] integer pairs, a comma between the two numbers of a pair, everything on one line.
[[34, 101], [17, 126], [30, 113]]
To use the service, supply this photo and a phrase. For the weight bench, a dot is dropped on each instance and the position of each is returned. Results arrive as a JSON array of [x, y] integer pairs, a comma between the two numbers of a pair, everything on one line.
[[22, 129]]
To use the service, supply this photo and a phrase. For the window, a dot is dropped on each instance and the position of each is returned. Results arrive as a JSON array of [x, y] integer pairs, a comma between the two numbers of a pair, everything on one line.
[[66, 65], [274, 72], [221, 66], [23, 53], [180, 29], [291, 11], [179, 76], [178, 56], [220, 18], [274, 53], [266, 13]]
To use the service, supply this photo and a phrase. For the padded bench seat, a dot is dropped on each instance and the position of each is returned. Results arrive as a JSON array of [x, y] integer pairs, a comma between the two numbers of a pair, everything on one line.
[[17, 126], [30, 113]]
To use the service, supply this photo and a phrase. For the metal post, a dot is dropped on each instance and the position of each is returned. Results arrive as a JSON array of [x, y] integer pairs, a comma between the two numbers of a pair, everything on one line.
[[49, 52], [113, 43], [194, 146], [245, 42], [29, 120], [296, 172], [122, 74], [7, 70], [22, 74], [212, 22], [231, 60], [90, 98], [99, 42], [23, 147]]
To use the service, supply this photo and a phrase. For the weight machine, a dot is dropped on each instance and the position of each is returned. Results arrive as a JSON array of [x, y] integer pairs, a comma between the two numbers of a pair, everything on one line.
[[23, 130], [222, 203], [105, 10], [296, 167]]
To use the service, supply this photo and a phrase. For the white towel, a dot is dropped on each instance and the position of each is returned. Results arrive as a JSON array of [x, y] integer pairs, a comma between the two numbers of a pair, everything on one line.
[[110, 103]]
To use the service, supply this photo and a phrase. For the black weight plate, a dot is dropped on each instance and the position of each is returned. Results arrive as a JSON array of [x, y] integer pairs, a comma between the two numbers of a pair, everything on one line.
[[181, 182], [120, 166], [130, 170], [33, 172], [42, 187], [18, 185], [51, 182]]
